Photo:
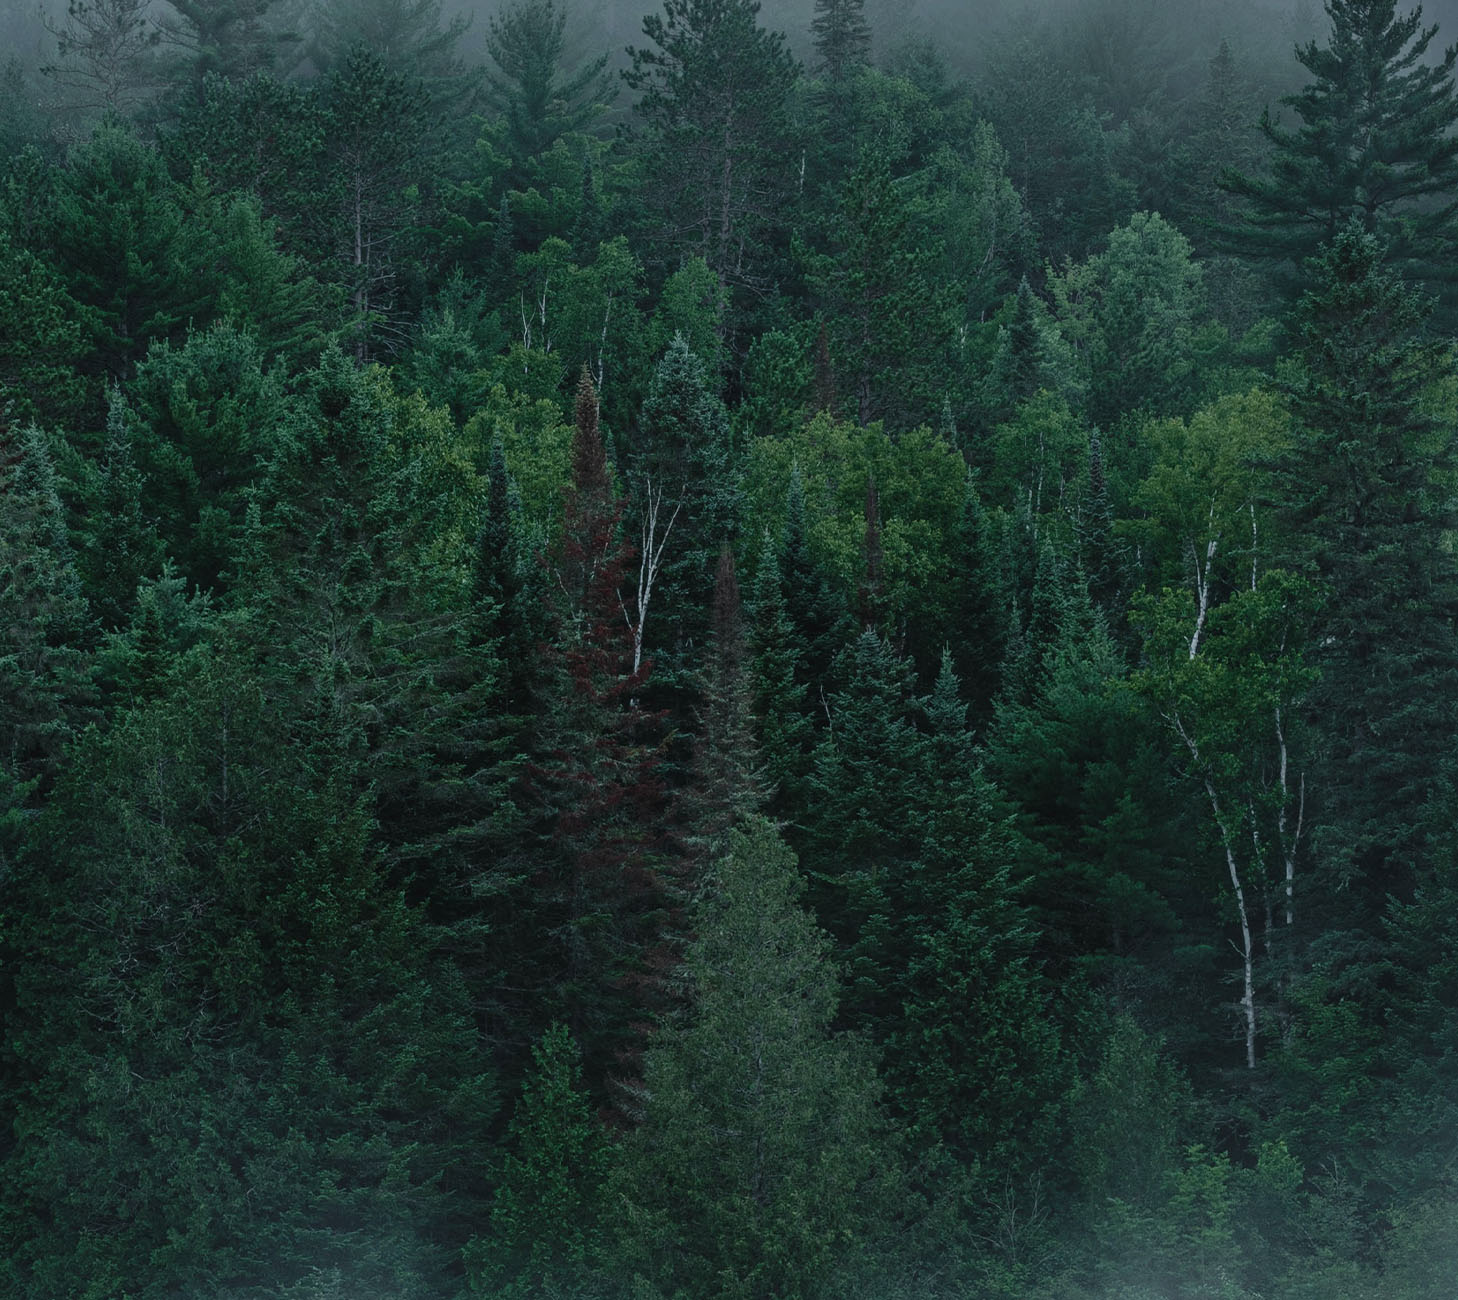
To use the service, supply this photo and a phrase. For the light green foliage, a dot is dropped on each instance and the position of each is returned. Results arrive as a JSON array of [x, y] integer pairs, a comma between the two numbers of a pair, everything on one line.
[[692, 304], [919, 479], [758, 1167], [1202, 505], [1039, 458], [538, 445], [1134, 315], [543, 1232]]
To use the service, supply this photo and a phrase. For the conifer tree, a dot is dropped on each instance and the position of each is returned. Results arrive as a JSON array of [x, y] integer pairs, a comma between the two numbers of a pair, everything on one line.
[[978, 621], [714, 88], [543, 1232], [729, 783], [122, 546], [683, 457], [842, 37], [45, 624], [786, 732], [1361, 488], [602, 905], [1374, 143], [759, 1167], [540, 98]]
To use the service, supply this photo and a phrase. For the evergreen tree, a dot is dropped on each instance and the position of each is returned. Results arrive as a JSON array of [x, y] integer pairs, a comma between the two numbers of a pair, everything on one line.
[[729, 783], [760, 1162], [376, 124], [601, 904], [544, 1233], [785, 730], [231, 1060], [714, 92], [842, 37], [1362, 493], [229, 38], [1374, 144], [539, 98], [121, 546], [682, 454], [977, 623]]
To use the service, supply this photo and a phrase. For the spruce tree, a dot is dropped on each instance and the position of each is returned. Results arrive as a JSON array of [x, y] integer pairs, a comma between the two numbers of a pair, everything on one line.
[[786, 732], [1362, 493], [601, 904], [760, 1164], [543, 1233], [45, 623], [842, 37], [683, 452]]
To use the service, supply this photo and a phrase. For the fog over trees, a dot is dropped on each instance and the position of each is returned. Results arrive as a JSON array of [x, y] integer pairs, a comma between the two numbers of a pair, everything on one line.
[[743, 651]]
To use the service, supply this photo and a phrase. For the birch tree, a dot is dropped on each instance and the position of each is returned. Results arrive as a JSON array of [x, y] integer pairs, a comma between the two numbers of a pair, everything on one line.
[[1224, 679]]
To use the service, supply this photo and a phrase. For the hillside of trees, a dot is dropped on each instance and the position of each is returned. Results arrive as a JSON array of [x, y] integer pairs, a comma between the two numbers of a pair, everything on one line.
[[728, 664]]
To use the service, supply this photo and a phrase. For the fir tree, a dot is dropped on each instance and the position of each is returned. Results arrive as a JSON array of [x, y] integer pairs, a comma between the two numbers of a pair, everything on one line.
[[543, 1232], [758, 1169]]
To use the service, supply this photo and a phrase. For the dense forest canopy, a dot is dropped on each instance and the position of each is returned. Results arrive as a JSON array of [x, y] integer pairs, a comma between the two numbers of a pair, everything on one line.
[[776, 652]]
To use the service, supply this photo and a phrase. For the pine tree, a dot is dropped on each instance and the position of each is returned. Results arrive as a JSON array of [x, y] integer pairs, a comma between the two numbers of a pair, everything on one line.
[[714, 88], [859, 837], [539, 98], [842, 37], [1374, 144]]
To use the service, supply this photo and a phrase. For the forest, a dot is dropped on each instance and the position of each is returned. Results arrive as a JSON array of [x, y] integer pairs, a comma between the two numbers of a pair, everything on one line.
[[803, 652]]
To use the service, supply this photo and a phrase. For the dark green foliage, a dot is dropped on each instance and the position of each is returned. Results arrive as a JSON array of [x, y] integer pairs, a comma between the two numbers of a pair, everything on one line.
[[781, 693], [539, 98], [1362, 488], [41, 337], [842, 37], [232, 1061], [47, 625], [1374, 144], [199, 424], [713, 91], [390, 903], [600, 903], [122, 546], [682, 454], [543, 1229], [884, 309]]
